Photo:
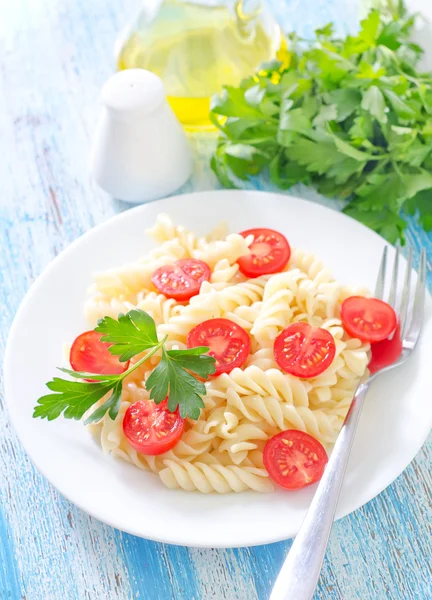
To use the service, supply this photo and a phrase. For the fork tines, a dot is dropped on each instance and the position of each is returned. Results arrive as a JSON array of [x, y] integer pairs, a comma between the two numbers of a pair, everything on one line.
[[410, 307]]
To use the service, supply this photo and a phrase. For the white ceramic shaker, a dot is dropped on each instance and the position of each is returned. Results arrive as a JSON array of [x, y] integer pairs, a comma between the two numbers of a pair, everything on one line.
[[140, 150]]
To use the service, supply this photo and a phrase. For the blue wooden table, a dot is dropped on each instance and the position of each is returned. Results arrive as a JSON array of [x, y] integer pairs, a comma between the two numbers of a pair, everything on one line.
[[54, 56]]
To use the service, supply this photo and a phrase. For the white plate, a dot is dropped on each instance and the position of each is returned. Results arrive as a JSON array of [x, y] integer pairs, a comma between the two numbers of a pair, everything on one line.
[[395, 423]]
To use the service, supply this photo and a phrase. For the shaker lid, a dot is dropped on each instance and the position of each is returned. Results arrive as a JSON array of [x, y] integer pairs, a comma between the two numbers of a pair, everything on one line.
[[133, 91]]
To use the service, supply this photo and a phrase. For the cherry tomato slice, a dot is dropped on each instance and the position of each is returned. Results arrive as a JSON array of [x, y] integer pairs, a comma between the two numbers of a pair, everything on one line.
[[152, 428], [229, 344], [270, 253], [89, 354], [385, 353], [182, 279], [294, 459], [368, 319], [303, 350]]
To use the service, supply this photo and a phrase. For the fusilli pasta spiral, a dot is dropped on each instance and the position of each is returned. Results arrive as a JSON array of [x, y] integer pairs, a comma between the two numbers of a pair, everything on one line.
[[214, 478]]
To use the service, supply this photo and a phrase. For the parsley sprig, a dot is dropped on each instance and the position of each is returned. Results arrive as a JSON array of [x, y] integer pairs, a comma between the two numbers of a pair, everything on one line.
[[351, 116], [131, 334]]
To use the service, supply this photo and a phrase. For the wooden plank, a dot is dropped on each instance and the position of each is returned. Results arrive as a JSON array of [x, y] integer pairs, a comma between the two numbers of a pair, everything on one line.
[[54, 55], [230, 576]]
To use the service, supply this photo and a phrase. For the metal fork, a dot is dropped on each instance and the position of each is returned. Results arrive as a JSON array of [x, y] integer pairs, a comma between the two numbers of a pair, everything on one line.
[[299, 575]]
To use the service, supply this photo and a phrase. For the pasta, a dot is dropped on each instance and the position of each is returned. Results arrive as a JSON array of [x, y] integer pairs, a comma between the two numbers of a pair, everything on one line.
[[223, 450], [214, 477], [231, 248], [157, 305], [135, 278]]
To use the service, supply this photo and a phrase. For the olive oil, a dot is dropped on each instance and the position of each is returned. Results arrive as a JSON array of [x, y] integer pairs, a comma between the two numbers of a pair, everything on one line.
[[196, 49]]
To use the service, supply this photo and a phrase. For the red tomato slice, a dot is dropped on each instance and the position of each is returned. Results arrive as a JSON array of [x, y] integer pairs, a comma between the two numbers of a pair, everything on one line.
[[385, 353], [368, 319], [270, 253], [182, 279], [303, 350], [294, 459], [152, 428], [89, 354], [229, 344]]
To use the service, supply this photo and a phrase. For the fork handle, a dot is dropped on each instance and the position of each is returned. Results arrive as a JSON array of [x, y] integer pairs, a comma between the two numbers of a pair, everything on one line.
[[300, 573]]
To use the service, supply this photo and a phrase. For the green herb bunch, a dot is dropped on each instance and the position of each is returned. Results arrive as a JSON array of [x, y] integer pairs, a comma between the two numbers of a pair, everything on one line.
[[351, 116]]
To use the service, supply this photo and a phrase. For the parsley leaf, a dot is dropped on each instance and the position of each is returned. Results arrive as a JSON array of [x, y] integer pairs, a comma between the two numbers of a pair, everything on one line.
[[326, 31], [369, 27], [349, 150], [195, 360], [72, 398], [401, 108], [390, 36], [315, 156], [112, 405], [374, 103], [184, 390], [231, 101], [285, 173], [346, 101], [326, 113], [367, 71], [131, 334]]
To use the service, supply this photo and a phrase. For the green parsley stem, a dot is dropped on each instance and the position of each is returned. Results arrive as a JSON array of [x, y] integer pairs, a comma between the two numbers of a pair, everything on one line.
[[380, 167], [144, 358], [396, 168]]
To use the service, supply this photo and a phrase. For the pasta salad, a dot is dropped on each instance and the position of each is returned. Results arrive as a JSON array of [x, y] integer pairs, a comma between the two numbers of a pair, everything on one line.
[[220, 363]]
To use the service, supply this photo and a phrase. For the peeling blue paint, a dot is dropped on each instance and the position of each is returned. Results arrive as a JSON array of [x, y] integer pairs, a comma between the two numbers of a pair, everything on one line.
[[9, 571]]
